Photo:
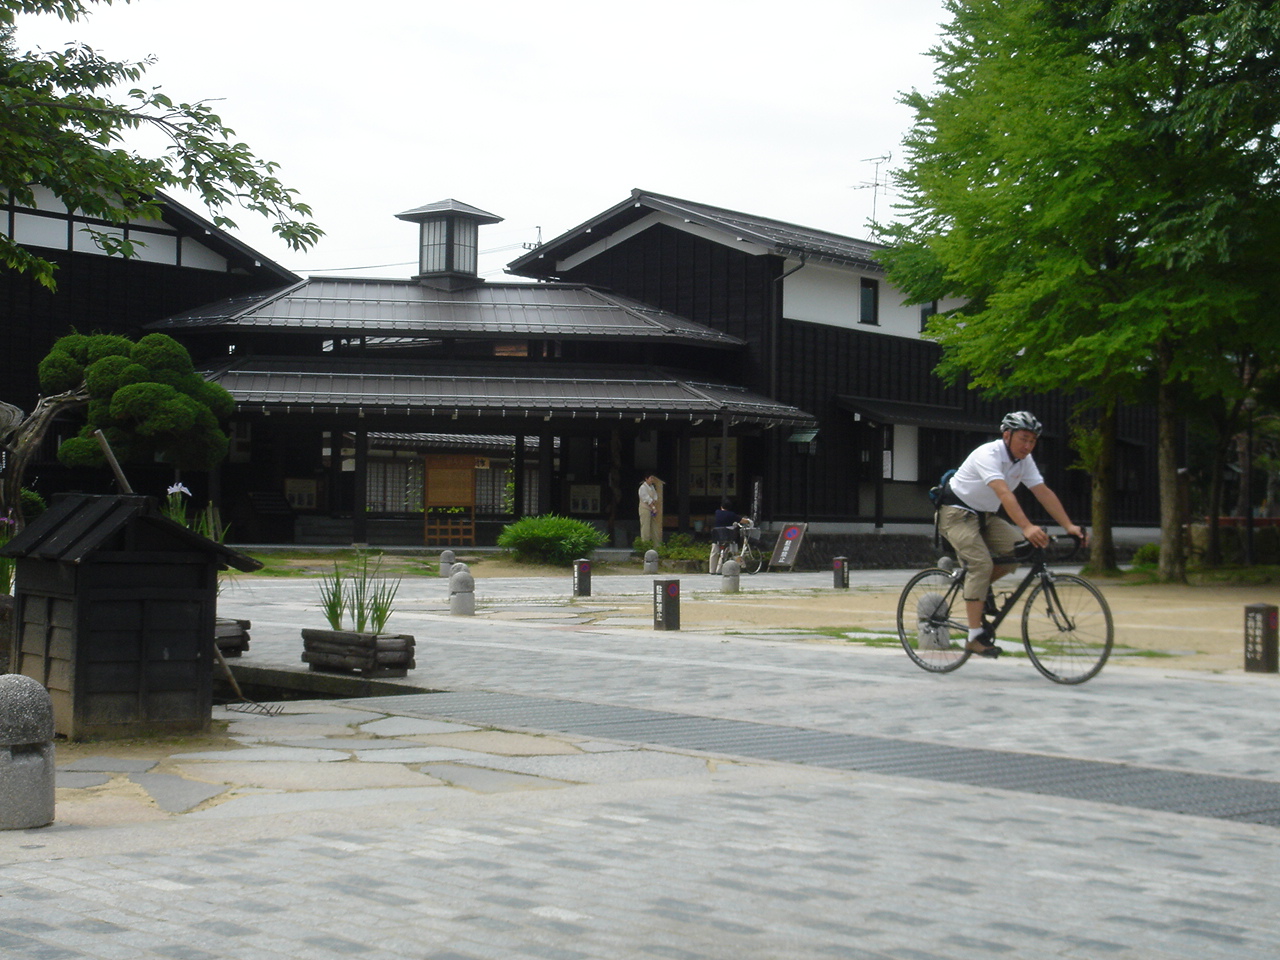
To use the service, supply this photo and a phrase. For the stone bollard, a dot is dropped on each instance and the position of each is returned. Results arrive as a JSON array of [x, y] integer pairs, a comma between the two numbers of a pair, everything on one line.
[[26, 753], [462, 591], [729, 576], [446, 563], [651, 561]]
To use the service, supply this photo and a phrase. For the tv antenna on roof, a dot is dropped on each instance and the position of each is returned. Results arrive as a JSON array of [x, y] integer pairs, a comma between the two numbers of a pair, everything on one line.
[[875, 183]]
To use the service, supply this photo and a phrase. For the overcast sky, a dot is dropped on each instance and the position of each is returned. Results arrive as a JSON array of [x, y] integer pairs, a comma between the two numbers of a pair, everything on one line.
[[542, 113]]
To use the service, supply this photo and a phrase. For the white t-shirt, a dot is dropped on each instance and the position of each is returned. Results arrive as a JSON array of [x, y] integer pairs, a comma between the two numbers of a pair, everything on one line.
[[991, 461]]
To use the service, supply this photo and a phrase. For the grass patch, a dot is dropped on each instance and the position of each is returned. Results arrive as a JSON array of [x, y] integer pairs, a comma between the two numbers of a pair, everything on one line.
[[316, 563], [1135, 652], [393, 565], [1197, 576]]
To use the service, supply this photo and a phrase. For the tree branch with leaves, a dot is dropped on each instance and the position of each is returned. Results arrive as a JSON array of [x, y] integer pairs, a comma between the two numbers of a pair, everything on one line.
[[67, 128]]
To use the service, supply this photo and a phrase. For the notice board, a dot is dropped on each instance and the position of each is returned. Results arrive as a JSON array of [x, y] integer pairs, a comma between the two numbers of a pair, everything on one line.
[[787, 550]]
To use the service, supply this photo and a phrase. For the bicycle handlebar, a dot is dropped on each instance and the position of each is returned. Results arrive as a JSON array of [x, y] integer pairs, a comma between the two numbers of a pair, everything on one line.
[[1023, 549]]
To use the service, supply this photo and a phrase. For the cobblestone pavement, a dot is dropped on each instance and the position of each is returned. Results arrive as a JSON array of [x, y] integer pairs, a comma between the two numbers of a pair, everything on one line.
[[341, 831]]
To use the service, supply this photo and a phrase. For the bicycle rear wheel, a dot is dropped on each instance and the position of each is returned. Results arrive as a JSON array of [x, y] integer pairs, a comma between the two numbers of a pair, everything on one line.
[[751, 559], [931, 621], [1067, 628]]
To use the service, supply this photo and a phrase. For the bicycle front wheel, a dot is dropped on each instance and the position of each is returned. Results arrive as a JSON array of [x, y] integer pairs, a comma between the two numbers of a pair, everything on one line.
[[1067, 629], [931, 621]]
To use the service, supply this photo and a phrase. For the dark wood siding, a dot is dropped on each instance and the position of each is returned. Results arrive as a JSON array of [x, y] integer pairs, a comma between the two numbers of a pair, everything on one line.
[[96, 294], [817, 363], [703, 281]]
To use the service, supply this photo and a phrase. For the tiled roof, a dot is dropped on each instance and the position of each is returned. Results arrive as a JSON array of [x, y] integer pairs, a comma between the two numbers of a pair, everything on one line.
[[489, 389], [443, 207], [776, 236], [407, 309], [787, 239]]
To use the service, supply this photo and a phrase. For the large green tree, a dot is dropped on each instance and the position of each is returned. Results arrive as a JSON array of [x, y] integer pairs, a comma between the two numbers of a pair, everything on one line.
[[1096, 181], [68, 120]]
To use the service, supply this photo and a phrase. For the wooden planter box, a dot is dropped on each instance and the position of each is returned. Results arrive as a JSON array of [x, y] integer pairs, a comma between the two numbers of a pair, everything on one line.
[[231, 636], [368, 654]]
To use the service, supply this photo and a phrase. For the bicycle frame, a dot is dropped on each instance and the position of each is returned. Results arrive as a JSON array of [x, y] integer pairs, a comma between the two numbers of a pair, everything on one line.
[[1038, 571]]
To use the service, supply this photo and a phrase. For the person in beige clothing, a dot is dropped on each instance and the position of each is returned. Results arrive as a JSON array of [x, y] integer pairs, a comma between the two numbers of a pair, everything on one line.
[[650, 510], [982, 485]]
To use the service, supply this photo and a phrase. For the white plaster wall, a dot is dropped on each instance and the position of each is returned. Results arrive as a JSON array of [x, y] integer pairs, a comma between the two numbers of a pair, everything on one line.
[[832, 295], [161, 241], [906, 453]]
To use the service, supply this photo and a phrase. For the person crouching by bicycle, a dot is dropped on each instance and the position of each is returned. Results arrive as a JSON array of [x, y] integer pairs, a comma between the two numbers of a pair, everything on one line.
[[967, 517], [725, 537]]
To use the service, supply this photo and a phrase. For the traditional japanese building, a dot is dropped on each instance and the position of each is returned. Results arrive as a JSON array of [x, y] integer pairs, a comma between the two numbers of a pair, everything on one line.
[[426, 409], [731, 354]]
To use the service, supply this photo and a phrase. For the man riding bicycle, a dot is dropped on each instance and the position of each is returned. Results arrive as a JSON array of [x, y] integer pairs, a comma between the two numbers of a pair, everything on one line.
[[968, 519]]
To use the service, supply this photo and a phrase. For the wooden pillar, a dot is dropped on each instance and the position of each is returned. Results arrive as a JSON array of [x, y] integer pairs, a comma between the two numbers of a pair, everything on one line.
[[336, 438], [360, 509], [517, 476], [883, 435], [682, 478], [546, 470]]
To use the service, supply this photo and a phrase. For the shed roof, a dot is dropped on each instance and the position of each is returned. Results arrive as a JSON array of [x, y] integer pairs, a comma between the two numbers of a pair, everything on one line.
[[77, 526], [407, 309], [490, 389], [777, 236], [917, 414]]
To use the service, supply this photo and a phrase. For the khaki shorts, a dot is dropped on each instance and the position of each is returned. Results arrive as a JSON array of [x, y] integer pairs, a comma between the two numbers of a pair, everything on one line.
[[975, 539]]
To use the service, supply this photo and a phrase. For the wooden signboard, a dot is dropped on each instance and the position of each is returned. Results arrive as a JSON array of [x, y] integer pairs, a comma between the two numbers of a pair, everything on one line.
[[449, 501], [787, 550]]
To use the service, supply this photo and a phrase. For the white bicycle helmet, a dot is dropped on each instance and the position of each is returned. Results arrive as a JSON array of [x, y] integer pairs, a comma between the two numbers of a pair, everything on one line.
[[1021, 420]]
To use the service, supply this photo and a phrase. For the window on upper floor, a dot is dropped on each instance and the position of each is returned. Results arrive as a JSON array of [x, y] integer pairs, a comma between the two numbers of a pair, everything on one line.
[[869, 308], [927, 311]]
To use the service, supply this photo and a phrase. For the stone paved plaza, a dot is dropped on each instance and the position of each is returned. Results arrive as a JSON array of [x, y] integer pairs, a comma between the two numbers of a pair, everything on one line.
[[340, 829]]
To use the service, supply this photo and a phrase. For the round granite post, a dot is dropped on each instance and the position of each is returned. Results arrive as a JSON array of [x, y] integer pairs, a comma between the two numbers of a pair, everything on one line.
[[26, 753], [462, 591]]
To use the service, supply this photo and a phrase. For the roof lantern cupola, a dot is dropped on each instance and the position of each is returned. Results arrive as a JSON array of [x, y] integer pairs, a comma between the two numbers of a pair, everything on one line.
[[448, 244]]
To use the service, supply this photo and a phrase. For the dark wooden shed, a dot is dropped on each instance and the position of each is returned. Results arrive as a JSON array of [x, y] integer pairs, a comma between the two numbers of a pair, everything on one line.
[[115, 608]]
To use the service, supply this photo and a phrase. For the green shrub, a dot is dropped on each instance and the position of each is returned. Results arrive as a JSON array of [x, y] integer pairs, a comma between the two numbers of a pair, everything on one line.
[[551, 539], [1147, 555], [678, 546], [32, 505]]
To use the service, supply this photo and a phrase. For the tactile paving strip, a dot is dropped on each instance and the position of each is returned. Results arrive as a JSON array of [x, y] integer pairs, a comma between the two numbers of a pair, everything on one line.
[[1171, 791]]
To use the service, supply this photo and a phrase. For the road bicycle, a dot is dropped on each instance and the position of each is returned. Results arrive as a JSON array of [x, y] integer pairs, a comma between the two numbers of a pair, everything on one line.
[[744, 545], [1067, 630]]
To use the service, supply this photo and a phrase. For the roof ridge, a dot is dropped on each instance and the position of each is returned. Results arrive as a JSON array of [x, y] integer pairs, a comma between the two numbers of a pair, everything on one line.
[[710, 209]]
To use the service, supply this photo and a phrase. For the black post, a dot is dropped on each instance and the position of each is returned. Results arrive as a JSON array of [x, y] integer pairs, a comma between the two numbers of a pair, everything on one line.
[[582, 578], [666, 604]]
